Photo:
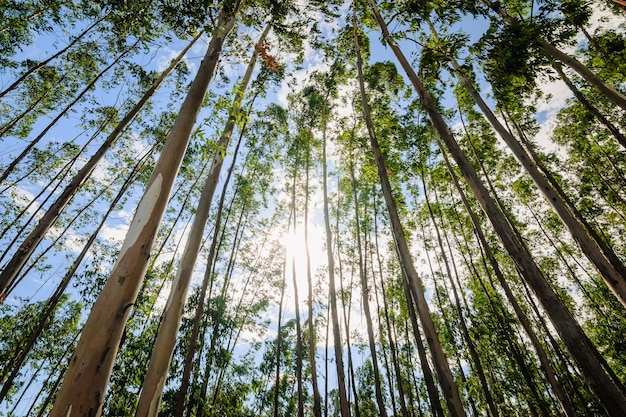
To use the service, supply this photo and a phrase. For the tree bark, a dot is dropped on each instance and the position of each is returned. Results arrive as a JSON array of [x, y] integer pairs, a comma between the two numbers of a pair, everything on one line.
[[603, 257], [332, 292], [90, 367], [317, 402], [579, 345], [152, 387], [442, 367]]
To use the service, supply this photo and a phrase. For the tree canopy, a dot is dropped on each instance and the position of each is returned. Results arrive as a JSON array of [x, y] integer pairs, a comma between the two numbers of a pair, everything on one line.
[[272, 208]]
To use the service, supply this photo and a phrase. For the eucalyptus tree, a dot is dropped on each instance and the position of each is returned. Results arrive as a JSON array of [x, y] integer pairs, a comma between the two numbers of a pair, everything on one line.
[[529, 32], [92, 82], [577, 342], [33, 68], [23, 20], [546, 365], [207, 279], [602, 255], [13, 267], [446, 380], [58, 294], [90, 367], [155, 378], [332, 285]]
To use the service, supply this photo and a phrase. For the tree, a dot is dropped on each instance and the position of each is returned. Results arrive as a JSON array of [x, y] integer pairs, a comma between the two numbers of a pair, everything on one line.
[[446, 381], [579, 345], [90, 367]]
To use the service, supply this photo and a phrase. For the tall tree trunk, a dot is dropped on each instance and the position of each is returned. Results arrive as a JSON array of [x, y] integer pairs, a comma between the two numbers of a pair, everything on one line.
[[442, 367], [90, 368], [579, 345], [365, 299], [16, 263], [297, 304], [152, 387], [390, 335], [193, 338], [332, 290], [477, 362], [619, 136], [431, 388], [279, 337], [53, 301], [317, 405]]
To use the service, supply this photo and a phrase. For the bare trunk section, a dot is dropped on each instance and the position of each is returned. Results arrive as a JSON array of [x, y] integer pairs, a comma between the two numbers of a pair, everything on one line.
[[366, 305], [195, 331], [317, 402], [579, 345], [464, 328], [152, 387], [90, 367], [440, 361], [332, 292], [23, 253], [390, 334], [296, 297]]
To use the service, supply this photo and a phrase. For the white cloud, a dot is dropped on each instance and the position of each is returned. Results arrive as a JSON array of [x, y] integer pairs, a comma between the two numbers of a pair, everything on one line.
[[114, 233]]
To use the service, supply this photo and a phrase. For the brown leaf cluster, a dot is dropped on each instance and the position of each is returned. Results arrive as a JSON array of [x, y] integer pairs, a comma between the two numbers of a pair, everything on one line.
[[270, 61]]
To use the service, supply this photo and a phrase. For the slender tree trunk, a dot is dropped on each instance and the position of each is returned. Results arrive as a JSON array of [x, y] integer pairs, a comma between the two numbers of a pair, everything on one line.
[[391, 339], [579, 345], [326, 339], [605, 260], [332, 292], [16, 263], [590, 107], [90, 368], [60, 290], [442, 367], [464, 330], [431, 388], [193, 338], [365, 299], [76, 99], [297, 305], [279, 339], [53, 57], [152, 387], [317, 406]]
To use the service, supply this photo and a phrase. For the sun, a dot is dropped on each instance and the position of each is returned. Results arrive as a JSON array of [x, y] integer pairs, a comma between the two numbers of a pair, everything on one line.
[[296, 262]]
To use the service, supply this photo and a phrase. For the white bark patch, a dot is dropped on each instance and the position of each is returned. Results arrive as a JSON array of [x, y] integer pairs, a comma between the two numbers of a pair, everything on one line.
[[143, 214]]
